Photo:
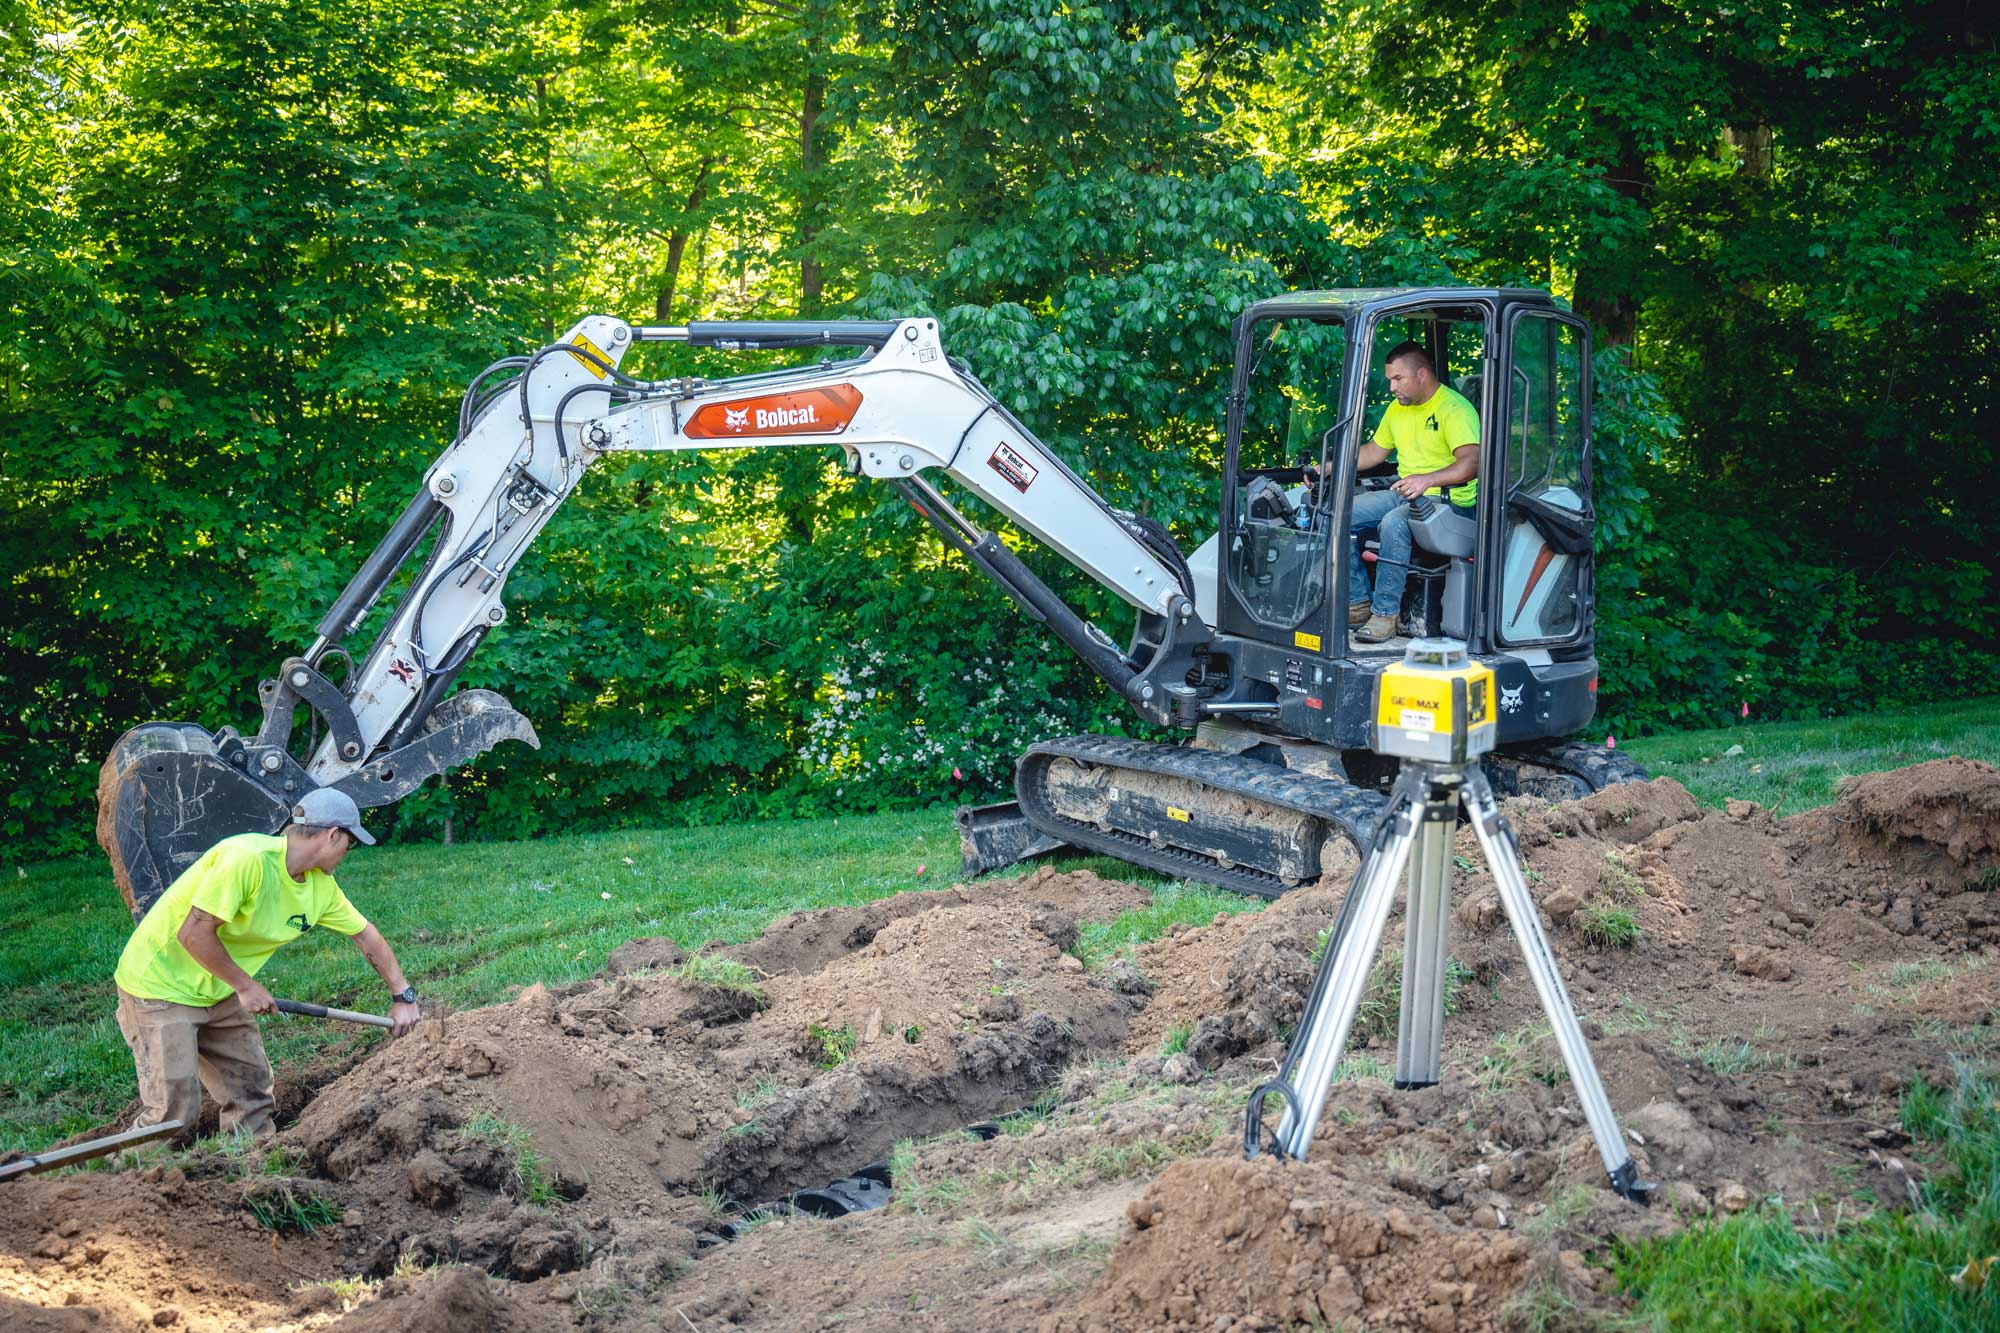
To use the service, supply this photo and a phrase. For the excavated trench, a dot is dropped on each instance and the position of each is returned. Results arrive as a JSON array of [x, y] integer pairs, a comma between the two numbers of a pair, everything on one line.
[[1787, 984]]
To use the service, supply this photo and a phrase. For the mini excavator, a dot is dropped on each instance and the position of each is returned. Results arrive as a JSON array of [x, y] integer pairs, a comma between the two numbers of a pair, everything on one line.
[[1242, 649]]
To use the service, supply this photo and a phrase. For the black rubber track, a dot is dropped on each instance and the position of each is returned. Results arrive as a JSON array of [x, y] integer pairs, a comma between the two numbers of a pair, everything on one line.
[[1595, 764], [1340, 806]]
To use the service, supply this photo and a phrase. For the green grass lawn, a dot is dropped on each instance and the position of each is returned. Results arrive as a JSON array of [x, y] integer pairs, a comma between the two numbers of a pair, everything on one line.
[[474, 922], [1794, 766]]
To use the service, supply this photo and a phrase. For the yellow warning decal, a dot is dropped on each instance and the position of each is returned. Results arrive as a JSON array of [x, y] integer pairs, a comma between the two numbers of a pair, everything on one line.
[[1175, 812], [1309, 642], [594, 350]]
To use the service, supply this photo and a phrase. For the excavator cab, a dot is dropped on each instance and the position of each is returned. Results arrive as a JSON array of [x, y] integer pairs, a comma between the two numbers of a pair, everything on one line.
[[1308, 392]]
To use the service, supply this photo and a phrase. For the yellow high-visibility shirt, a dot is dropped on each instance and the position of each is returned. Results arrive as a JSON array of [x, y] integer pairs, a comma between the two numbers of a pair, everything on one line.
[[1423, 436], [242, 881]]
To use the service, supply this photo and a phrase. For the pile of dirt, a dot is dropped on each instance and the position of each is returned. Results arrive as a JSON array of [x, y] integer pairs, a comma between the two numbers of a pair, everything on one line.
[[1758, 994], [834, 1035]]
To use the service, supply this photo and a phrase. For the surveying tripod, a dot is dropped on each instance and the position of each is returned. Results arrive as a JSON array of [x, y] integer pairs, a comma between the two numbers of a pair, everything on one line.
[[1434, 712]]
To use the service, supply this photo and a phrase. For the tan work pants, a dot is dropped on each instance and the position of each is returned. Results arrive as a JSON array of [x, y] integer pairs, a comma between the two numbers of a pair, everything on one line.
[[179, 1049]]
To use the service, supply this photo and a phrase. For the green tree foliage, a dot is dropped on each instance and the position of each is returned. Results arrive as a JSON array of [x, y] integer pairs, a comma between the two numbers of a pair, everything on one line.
[[1783, 214], [251, 252]]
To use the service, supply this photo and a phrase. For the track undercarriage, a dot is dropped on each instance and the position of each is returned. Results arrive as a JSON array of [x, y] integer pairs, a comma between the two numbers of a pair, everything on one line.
[[1249, 814]]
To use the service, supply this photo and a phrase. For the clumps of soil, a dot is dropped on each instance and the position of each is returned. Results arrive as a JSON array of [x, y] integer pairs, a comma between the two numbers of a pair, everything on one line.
[[1758, 993], [1286, 1245], [836, 1034]]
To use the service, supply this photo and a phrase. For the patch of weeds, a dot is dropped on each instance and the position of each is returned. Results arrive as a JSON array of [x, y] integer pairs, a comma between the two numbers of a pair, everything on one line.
[[349, 1291], [1628, 1017], [1464, 864], [282, 1208], [531, 1167], [1355, 1067], [1024, 1120], [1382, 1001], [1562, 1209], [992, 1246], [1183, 902], [1618, 880], [1728, 1057], [1541, 1306], [1177, 1039], [713, 1201], [917, 1191], [1511, 1059], [754, 1099], [833, 1047], [757, 1218], [1988, 879], [721, 973], [1905, 975], [1890, 1268], [1606, 926], [1925, 1110], [913, 1033], [1419, 1161]]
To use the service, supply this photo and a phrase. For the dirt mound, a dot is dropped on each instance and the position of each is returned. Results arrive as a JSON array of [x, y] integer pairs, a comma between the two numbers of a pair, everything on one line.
[[452, 1301], [1952, 805], [1292, 1246], [144, 1250], [751, 1072], [1757, 994]]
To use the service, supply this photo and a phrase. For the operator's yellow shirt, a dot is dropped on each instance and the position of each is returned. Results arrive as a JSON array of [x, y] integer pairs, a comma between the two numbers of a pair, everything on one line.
[[241, 880], [1422, 437]]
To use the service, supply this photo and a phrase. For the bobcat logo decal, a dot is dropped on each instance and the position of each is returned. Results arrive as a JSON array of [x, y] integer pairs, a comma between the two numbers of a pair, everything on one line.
[[1510, 700], [735, 418]]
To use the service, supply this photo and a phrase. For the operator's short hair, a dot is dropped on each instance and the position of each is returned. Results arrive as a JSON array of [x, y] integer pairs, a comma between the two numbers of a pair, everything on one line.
[[313, 830], [1415, 349]]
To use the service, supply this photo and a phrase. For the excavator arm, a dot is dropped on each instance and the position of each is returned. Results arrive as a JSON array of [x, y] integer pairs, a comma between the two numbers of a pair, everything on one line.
[[899, 409]]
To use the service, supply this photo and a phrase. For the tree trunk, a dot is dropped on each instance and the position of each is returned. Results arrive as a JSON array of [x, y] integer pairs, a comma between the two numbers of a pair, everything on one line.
[[812, 105], [677, 239]]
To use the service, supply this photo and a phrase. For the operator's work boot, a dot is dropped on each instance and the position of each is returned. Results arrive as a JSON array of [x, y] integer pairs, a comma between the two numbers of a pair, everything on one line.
[[1357, 614], [1379, 629]]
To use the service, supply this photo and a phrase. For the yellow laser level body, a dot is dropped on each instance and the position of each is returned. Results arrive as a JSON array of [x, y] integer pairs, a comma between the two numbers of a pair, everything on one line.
[[1436, 704]]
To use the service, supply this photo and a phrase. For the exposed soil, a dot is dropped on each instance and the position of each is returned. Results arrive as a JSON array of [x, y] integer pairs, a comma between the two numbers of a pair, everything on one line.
[[1788, 980]]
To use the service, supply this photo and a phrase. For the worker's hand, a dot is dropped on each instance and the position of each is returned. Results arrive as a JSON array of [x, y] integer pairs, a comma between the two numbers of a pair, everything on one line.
[[1411, 487], [405, 1017], [256, 999]]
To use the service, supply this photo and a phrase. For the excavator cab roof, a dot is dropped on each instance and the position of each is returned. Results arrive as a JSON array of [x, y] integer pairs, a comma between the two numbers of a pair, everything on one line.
[[1349, 302]]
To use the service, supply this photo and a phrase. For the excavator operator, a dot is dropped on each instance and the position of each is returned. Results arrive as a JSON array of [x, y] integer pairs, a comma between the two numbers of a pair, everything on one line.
[[1433, 432]]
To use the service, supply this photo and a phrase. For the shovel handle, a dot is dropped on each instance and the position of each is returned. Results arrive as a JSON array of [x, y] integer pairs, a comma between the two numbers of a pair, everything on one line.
[[321, 1011]]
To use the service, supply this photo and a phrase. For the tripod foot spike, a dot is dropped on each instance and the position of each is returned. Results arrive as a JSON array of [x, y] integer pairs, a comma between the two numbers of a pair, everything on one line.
[[1626, 1184]]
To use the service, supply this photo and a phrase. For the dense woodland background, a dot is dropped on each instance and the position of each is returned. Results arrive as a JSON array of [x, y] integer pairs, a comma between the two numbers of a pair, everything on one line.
[[252, 250]]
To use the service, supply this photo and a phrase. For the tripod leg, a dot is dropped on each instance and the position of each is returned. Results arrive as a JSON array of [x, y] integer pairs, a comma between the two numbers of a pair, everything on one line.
[[1343, 974], [1497, 840], [1420, 1026]]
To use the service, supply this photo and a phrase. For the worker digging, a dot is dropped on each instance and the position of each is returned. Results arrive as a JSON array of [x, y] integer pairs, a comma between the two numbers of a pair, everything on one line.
[[188, 994]]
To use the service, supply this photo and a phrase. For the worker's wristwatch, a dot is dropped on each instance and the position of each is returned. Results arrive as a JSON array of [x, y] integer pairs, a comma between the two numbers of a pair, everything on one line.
[[407, 995]]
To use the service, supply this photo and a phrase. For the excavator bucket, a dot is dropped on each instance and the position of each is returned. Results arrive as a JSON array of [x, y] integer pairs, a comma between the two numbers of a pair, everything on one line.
[[991, 836], [172, 790], [164, 797]]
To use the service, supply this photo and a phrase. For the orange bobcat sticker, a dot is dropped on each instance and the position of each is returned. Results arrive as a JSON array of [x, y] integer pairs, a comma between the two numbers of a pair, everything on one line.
[[806, 412]]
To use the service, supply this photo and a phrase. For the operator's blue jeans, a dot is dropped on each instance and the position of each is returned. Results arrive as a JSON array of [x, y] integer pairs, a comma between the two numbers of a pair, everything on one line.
[[1386, 514]]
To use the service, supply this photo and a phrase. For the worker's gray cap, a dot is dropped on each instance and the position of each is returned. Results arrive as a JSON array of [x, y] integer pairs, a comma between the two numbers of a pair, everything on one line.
[[332, 809]]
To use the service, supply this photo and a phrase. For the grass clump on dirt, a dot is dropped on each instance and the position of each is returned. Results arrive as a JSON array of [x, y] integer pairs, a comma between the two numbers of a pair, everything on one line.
[[831, 1047], [1177, 1038], [282, 1206], [1382, 1002], [1606, 925], [721, 973], [531, 1167], [1182, 902], [1886, 1269]]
